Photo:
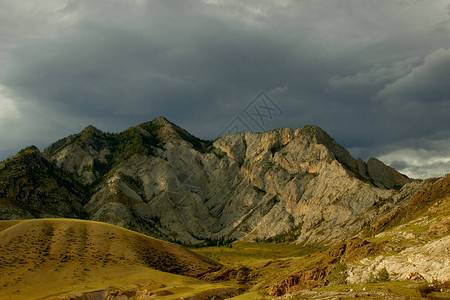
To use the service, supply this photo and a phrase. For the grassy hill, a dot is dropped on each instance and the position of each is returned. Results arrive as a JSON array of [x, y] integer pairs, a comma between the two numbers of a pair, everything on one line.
[[62, 257]]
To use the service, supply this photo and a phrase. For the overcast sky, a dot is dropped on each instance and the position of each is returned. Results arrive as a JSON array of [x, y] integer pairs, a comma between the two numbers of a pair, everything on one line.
[[373, 74]]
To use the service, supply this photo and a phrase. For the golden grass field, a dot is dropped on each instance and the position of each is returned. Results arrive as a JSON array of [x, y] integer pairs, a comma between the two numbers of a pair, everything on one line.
[[53, 258]]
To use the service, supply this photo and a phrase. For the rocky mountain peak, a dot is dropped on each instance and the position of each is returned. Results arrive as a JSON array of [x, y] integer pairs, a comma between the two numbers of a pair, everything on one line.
[[91, 131], [315, 134], [387, 176], [161, 121], [80, 154], [30, 149], [29, 152], [167, 132], [162, 128]]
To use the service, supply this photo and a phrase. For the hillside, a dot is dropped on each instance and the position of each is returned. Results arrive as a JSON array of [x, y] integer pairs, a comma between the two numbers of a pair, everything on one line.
[[408, 260], [61, 257], [32, 187]]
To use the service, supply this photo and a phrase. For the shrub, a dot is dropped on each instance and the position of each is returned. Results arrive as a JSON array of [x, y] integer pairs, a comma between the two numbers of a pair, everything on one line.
[[338, 275], [276, 147], [424, 290], [383, 275]]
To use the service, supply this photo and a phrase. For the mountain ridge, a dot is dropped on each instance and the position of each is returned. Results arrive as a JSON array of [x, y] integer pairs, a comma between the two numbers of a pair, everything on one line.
[[158, 179]]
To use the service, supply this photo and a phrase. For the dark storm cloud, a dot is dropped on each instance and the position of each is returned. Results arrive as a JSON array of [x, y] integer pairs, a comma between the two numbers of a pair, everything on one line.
[[98, 69], [371, 74], [399, 164], [426, 83]]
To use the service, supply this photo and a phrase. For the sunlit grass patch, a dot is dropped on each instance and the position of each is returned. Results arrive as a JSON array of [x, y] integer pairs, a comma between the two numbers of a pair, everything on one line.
[[244, 253]]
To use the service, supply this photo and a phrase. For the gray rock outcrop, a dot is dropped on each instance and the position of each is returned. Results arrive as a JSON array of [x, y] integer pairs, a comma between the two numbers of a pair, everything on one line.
[[296, 184]]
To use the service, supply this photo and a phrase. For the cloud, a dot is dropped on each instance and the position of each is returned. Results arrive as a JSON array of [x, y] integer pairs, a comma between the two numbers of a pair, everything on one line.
[[399, 164], [279, 90], [425, 83], [417, 105], [418, 158], [419, 162], [114, 64], [8, 108], [376, 75]]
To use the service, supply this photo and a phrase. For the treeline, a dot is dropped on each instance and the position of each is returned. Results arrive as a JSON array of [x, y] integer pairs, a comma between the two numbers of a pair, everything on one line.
[[206, 242]]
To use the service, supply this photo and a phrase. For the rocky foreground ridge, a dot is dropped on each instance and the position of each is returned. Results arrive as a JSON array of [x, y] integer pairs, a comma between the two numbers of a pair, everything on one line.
[[156, 178]]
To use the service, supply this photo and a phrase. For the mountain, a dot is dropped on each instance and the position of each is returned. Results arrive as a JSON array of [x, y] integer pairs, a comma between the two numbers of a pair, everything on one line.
[[156, 178], [60, 257], [321, 219], [32, 187]]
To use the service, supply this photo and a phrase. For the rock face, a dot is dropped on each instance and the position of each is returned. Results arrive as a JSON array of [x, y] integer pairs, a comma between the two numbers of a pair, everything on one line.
[[427, 262], [414, 257], [298, 185], [81, 153], [384, 176]]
